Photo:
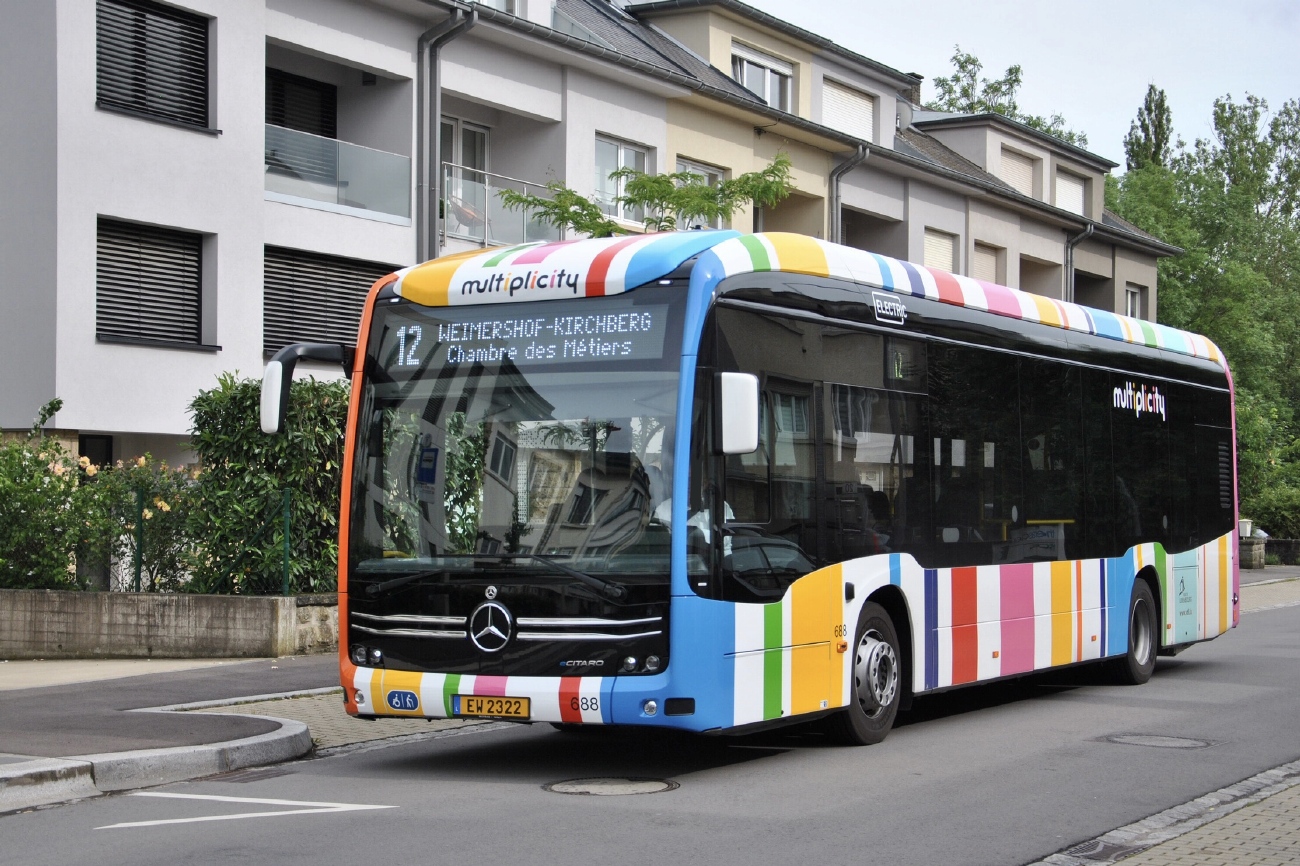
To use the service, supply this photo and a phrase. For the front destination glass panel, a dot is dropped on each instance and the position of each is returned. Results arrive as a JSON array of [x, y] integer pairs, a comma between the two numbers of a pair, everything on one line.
[[510, 446]]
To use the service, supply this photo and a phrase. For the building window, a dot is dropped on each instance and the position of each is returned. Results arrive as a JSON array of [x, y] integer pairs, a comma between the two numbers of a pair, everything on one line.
[[309, 297], [1070, 190], [502, 463], [1018, 171], [148, 285], [848, 110], [611, 155], [712, 177], [509, 6], [984, 266], [464, 155], [1134, 300], [940, 250], [152, 59], [301, 103], [766, 77]]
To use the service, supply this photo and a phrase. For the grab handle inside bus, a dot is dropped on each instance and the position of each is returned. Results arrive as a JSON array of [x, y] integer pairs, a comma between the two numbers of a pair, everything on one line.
[[279, 373], [737, 413]]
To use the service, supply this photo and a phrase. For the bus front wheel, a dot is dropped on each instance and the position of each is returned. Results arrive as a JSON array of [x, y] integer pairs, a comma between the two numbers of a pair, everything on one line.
[[876, 691], [1136, 666]]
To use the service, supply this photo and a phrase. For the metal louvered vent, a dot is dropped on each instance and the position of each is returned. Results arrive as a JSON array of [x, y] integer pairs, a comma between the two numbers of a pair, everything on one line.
[[1225, 475], [316, 298], [152, 59], [147, 283]]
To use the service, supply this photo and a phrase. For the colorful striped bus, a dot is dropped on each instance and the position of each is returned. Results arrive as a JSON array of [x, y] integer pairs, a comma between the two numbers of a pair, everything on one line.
[[718, 481]]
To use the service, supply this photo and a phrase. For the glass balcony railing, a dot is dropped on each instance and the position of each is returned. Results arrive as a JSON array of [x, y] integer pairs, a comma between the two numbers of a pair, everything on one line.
[[472, 209], [335, 172]]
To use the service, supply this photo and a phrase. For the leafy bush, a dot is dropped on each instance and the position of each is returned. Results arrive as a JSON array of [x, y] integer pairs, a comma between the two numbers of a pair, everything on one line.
[[235, 511], [159, 497], [46, 513], [1276, 510]]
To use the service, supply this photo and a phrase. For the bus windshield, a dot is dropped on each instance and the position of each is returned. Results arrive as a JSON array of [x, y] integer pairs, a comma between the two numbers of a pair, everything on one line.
[[513, 438]]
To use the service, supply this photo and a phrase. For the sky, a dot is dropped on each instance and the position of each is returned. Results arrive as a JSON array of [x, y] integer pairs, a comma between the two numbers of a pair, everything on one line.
[[1090, 62]]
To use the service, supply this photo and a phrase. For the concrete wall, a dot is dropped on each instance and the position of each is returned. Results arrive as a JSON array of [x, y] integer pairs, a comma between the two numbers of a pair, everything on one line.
[[28, 214], [50, 624]]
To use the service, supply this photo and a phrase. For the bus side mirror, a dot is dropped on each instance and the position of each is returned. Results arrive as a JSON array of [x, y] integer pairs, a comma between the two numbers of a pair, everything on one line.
[[737, 413], [279, 373]]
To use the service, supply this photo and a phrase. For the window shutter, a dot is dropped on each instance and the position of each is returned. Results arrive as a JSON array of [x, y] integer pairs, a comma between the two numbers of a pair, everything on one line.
[[940, 249], [147, 283], [1017, 170], [1069, 192], [985, 266], [301, 103], [309, 297], [152, 59], [848, 110]]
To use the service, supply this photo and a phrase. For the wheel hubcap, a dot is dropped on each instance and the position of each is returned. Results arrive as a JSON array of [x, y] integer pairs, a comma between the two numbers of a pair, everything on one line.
[[875, 673], [1140, 629]]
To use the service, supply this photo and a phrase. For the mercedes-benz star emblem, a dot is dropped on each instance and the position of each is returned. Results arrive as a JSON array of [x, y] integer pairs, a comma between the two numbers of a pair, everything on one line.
[[490, 626], [491, 593]]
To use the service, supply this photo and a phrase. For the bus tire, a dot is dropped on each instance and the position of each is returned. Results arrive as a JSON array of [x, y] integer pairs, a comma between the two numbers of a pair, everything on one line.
[[877, 687], [1137, 665]]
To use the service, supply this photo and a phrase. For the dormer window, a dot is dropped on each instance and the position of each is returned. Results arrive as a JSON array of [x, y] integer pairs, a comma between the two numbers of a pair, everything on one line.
[[765, 76]]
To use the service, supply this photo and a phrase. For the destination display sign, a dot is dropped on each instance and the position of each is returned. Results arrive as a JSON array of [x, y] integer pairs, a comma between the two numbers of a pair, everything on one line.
[[617, 335]]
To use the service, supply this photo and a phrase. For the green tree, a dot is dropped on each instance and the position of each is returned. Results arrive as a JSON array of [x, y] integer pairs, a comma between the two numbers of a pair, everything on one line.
[[1148, 141], [966, 92], [668, 200]]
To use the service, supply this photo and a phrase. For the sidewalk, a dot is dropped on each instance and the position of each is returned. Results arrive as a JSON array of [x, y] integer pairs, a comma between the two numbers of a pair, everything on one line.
[[70, 730]]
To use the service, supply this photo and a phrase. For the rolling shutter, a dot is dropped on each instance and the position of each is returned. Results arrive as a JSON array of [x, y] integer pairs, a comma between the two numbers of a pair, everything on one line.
[[315, 298], [147, 283], [985, 266], [152, 59], [1018, 171], [940, 249], [848, 110], [1069, 192]]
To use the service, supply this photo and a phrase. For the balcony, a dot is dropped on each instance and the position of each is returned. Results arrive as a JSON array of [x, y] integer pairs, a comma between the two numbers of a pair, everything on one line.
[[302, 168], [472, 209]]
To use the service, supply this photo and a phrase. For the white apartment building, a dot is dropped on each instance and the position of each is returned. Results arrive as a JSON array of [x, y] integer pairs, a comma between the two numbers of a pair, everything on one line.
[[192, 184]]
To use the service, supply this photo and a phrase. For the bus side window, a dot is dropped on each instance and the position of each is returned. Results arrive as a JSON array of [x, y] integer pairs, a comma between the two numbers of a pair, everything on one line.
[[1052, 450], [1099, 483]]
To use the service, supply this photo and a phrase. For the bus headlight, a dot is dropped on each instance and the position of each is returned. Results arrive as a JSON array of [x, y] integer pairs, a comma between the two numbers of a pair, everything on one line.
[[358, 655], [629, 663], [652, 663], [650, 708], [376, 657]]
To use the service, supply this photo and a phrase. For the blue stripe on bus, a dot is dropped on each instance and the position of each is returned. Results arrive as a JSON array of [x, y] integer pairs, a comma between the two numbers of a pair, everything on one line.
[[1119, 589], [668, 252], [1107, 325], [886, 272], [931, 628], [895, 569], [1105, 614], [914, 276]]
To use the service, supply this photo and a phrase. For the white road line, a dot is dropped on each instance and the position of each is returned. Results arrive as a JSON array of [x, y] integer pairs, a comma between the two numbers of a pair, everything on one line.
[[313, 809]]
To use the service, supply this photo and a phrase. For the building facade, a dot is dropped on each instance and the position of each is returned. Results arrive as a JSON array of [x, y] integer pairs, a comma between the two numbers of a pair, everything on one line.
[[194, 184]]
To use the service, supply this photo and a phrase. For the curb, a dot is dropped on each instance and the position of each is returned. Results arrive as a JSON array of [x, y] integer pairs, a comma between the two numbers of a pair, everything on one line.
[[46, 781], [1174, 822]]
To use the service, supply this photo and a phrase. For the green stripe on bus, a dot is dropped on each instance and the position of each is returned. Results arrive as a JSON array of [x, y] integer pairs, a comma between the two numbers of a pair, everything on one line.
[[496, 260], [772, 657], [1162, 604], [757, 252], [1148, 334], [450, 686]]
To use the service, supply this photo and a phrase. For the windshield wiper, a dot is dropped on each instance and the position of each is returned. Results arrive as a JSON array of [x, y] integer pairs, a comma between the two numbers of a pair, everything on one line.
[[607, 587]]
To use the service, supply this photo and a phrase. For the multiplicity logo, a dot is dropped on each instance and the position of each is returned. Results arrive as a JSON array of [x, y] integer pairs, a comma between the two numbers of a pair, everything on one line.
[[1141, 400], [511, 282]]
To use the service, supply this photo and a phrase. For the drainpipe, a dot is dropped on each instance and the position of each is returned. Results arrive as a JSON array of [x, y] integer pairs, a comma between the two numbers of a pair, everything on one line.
[[1068, 291], [428, 125], [835, 233]]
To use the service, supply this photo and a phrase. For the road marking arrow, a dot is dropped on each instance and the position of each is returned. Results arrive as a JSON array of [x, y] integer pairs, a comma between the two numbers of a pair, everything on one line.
[[312, 809]]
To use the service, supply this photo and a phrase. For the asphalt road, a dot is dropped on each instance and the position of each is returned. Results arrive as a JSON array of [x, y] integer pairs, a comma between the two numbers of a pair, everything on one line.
[[1005, 774]]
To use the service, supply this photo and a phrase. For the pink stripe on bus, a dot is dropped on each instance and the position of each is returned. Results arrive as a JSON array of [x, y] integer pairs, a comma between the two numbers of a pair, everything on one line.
[[538, 254], [493, 686], [1017, 618]]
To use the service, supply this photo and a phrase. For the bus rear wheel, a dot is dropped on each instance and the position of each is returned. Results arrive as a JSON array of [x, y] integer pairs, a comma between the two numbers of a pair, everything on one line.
[[877, 689], [1139, 662]]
